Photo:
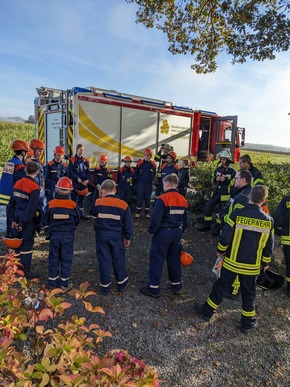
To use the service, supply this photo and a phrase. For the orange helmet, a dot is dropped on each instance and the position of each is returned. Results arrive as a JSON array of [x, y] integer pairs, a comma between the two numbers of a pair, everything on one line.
[[185, 258], [64, 183], [148, 151], [37, 144], [82, 192], [127, 158], [103, 158], [58, 150], [13, 239], [20, 145], [172, 154], [30, 153]]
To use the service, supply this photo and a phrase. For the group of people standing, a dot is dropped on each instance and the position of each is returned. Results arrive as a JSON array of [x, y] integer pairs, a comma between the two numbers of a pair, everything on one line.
[[245, 229]]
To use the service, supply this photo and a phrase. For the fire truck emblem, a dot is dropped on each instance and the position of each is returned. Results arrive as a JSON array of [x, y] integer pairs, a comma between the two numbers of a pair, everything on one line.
[[164, 128]]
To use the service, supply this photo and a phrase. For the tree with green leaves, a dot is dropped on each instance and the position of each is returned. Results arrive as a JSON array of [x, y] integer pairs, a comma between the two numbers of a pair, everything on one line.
[[250, 29]]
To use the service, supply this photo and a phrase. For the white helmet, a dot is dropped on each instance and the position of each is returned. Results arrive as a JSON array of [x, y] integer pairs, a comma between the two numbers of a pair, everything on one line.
[[225, 154]]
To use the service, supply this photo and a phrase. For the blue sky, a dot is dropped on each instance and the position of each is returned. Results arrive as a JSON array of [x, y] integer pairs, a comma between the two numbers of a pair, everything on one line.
[[83, 43]]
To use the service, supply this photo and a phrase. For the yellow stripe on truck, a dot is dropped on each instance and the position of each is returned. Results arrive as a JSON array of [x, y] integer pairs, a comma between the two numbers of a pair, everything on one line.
[[93, 134]]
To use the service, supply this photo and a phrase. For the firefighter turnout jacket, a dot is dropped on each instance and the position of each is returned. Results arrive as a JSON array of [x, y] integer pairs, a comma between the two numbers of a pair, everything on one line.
[[239, 199], [222, 188], [247, 240], [13, 171], [257, 178], [282, 220]]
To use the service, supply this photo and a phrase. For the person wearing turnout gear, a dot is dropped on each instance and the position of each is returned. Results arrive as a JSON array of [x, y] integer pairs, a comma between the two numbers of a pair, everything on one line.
[[13, 170], [22, 213], [223, 180], [161, 158], [54, 170], [101, 173], [246, 164], [239, 199], [38, 146], [113, 228], [168, 222], [282, 228], [126, 179], [144, 175], [61, 219], [79, 173], [246, 243]]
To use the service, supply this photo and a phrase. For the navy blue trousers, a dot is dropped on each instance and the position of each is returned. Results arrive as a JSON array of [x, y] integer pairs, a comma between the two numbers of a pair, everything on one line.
[[165, 246], [144, 191], [25, 250], [60, 258], [110, 249]]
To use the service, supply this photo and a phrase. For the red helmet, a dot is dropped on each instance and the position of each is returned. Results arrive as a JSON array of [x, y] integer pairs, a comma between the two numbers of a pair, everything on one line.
[[82, 192], [20, 145], [13, 239], [127, 158], [103, 158], [185, 258], [64, 183], [172, 154], [148, 151], [30, 153], [37, 144], [58, 150]]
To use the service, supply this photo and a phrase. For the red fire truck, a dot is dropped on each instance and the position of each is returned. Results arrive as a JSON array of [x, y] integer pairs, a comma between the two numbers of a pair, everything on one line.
[[118, 124]]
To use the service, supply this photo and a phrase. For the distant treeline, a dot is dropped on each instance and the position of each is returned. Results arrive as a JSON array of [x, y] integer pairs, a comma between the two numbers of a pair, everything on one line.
[[267, 148]]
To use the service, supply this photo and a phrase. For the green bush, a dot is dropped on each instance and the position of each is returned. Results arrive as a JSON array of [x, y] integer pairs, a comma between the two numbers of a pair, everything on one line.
[[9, 132]]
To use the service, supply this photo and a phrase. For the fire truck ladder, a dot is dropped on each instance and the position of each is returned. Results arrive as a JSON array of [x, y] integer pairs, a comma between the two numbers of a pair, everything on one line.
[[63, 136]]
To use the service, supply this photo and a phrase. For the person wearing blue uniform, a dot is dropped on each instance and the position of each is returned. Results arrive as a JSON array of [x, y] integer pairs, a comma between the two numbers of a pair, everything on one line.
[[144, 175], [113, 227], [245, 162], [54, 170], [170, 166], [183, 175], [38, 147], [126, 180], [168, 222], [282, 228], [62, 216], [246, 245], [22, 213], [160, 158], [79, 173], [101, 173], [13, 170]]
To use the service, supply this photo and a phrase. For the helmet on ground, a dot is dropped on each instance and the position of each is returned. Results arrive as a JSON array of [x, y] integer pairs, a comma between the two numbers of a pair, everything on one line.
[[19, 145], [172, 154], [64, 183], [37, 144], [225, 154], [185, 258], [148, 151], [58, 150], [270, 280], [13, 239], [82, 192], [127, 158], [103, 158]]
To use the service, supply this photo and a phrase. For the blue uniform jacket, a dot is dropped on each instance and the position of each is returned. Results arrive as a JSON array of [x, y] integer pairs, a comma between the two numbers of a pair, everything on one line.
[[247, 240], [54, 170], [78, 167], [183, 175], [126, 177], [113, 216], [145, 171], [101, 174], [62, 214], [170, 211], [257, 178], [167, 169], [13, 171], [23, 204]]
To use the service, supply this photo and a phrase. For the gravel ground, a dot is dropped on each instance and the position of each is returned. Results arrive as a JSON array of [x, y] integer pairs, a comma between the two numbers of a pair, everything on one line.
[[166, 333]]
